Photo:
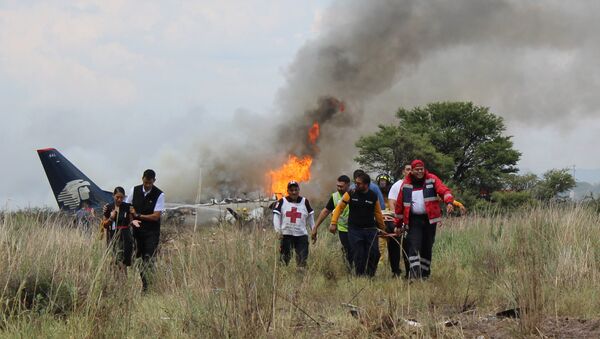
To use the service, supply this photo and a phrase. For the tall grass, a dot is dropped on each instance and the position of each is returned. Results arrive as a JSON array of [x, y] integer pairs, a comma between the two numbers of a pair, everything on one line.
[[57, 281]]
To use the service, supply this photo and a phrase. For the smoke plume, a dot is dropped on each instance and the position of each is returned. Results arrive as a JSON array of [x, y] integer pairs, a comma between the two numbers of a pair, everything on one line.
[[527, 60]]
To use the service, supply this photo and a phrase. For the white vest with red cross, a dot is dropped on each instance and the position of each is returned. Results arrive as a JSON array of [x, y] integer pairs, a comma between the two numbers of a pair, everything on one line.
[[293, 217]]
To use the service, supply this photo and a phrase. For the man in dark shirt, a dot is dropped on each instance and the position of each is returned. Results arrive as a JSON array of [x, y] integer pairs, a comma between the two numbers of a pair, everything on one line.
[[148, 204], [365, 221]]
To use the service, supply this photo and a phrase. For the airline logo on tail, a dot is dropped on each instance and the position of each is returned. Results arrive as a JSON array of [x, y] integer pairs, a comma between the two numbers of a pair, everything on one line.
[[73, 193], [69, 185]]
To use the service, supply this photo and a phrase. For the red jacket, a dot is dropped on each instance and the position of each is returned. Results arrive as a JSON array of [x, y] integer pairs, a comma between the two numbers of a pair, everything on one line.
[[432, 187]]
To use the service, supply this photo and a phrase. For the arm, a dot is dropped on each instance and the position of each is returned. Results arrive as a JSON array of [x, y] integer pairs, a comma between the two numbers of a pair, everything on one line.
[[310, 221], [277, 222], [379, 218], [376, 189], [277, 216], [324, 213], [444, 192], [340, 208], [393, 195], [399, 210], [158, 209]]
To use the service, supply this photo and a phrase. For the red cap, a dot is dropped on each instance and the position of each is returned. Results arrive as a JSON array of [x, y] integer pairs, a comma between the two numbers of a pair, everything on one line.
[[416, 163]]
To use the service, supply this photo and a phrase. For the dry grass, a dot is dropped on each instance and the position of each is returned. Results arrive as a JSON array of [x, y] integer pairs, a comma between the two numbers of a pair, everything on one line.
[[57, 281]]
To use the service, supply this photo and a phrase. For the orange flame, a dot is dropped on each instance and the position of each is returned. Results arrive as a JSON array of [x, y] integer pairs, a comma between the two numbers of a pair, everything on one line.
[[313, 133], [295, 169]]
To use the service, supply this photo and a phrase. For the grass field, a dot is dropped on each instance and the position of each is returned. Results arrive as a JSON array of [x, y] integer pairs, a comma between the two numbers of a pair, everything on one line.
[[60, 282]]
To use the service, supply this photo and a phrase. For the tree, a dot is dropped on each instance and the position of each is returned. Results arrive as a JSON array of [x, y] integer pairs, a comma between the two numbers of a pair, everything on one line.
[[555, 182], [457, 140], [519, 183], [389, 149]]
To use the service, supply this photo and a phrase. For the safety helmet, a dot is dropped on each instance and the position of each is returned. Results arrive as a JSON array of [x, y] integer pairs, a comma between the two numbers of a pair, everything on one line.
[[384, 177]]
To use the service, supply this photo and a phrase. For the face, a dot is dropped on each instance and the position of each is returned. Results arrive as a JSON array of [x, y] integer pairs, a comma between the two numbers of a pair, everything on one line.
[[406, 170], [293, 192], [342, 187], [119, 197], [148, 183], [360, 185], [383, 183], [418, 172]]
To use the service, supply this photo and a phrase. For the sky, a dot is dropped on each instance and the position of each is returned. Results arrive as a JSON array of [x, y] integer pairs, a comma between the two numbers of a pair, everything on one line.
[[121, 86]]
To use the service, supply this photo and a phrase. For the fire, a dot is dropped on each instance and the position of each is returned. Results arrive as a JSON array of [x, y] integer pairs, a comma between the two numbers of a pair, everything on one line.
[[313, 133], [297, 169]]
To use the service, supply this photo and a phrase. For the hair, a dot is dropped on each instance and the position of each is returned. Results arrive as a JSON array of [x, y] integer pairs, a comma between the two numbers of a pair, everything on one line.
[[344, 178], [356, 173], [364, 177], [149, 174], [119, 189]]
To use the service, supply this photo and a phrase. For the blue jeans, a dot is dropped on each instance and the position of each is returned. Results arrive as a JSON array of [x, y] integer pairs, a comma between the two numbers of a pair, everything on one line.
[[365, 246]]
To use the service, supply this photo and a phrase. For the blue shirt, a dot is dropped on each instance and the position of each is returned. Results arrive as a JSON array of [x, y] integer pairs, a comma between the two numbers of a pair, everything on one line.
[[373, 187]]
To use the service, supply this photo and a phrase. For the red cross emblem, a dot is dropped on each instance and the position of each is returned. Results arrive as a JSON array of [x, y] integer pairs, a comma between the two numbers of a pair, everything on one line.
[[293, 215]]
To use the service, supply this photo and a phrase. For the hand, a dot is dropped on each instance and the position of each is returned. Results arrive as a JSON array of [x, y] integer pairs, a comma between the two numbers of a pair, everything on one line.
[[313, 236], [333, 228], [462, 210], [113, 214], [449, 208], [136, 223], [104, 208], [279, 236]]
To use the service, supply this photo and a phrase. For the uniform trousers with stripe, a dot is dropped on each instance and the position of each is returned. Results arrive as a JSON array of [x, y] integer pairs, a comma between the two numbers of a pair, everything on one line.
[[418, 246]]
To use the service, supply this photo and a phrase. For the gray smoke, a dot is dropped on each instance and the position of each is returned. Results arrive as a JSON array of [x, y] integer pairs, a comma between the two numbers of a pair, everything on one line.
[[527, 60]]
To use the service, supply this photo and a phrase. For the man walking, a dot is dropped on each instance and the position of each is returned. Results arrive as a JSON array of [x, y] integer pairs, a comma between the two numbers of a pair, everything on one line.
[[365, 221], [291, 215], [418, 209], [148, 203], [342, 186]]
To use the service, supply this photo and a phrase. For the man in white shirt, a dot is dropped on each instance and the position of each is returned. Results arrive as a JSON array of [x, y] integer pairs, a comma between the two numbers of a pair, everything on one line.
[[291, 215], [395, 190], [148, 203]]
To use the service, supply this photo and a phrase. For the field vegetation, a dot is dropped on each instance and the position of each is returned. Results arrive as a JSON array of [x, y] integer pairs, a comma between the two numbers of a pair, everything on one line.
[[541, 264]]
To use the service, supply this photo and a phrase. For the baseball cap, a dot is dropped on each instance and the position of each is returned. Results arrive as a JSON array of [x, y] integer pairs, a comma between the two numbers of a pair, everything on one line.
[[293, 183]]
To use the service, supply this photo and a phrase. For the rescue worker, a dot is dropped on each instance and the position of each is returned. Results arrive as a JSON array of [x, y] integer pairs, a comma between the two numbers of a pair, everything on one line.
[[365, 222], [418, 212], [291, 215], [342, 186]]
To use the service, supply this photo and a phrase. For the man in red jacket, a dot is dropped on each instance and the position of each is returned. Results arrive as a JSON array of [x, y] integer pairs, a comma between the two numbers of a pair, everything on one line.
[[418, 212]]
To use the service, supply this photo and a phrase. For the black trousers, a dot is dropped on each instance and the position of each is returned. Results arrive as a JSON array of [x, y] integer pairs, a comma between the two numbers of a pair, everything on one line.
[[365, 246], [418, 246], [300, 245], [394, 250], [121, 242], [346, 249], [146, 246]]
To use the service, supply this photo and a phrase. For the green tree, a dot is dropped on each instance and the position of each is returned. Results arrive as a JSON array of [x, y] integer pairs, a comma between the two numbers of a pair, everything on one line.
[[389, 149], [555, 182], [519, 183], [457, 140]]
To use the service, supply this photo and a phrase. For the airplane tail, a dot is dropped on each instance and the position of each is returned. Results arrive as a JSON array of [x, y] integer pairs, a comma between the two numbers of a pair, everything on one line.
[[70, 186]]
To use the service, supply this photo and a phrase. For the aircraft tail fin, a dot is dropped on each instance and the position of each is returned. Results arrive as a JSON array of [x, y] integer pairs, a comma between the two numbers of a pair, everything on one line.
[[69, 185]]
